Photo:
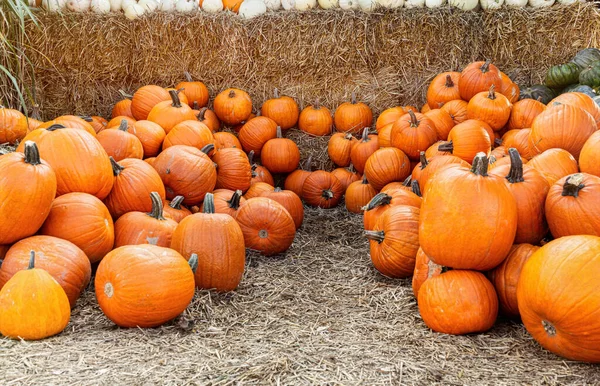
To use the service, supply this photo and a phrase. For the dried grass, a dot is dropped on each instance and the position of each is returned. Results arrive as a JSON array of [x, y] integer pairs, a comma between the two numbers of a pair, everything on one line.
[[320, 314], [82, 60]]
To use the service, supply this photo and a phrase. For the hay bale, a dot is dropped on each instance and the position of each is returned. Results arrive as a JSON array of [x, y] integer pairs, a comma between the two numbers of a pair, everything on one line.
[[82, 60]]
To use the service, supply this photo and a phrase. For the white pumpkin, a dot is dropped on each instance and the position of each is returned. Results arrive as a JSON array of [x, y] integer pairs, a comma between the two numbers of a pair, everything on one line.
[[391, 4], [288, 5], [435, 3], [465, 5], [273, 5], [115, 5], [414, 3], [305, 5], [252, 8], [348, 4], [133, 11], [541, 3], [367, 5], [185, 6], [212, 6], [100, 6], [32, 3], [515, 3], [568, 2], [491, 4], [328, 4], [149, 5], [54, 5], [167, 5]]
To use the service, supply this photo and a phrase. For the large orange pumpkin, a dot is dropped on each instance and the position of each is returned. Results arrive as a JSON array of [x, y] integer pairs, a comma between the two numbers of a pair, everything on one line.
[[589, 158], [83, 220], [352, 117], [145, 98], [559, 297], [394, 241], [144, 285], [120, 144], [219, 243], [554, 164], [468, 218], [413, 133], [572, 206], [283, 110], [27, 188], [581, 100], [267, 226], [386, 165], [67, 264], [458, 302], [478, 77], [233, 106], [443, 88]]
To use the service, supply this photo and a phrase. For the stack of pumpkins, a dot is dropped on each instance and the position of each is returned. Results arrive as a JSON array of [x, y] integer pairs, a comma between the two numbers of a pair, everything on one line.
[[506, 176]]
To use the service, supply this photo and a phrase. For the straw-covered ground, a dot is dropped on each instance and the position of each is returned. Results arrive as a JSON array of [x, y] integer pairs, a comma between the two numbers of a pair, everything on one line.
[[80, 61], [320, 314]]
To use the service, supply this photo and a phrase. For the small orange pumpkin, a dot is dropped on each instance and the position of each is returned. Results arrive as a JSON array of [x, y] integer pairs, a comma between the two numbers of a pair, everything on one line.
[[352, 117], [283, 110]]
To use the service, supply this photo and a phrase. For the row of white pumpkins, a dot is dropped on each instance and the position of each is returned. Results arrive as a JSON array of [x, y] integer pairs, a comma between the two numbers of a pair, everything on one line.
[[252, 8]]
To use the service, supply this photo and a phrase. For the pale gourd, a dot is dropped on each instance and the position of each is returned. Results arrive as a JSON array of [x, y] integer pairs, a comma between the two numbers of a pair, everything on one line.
[[491, 4], [391, 4], [54, 5], [515, 3], [273, 5], [568, 2], [252, 8], [167, 5], [435, 3], [348, 4], [100, 6], [541, 3], [414, 3], [288, 5], [212, 6], [305, 5], [465, 5], [367, 5], [133, 11], [185, 6], [328, 4], [116, 5], [149, 5]]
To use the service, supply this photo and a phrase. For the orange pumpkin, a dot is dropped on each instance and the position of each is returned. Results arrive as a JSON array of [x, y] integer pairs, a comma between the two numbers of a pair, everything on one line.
[[167, 114], [232, 5], [295, 180], [509, 88], [467, 139], [120, 144], [424, 269], [442, 121], [150, 134], [257, 189], [283, 110], [218, 242], [280, 155], [443, 88], [233, 106], [316, 120], [267, 226], [358, 194], [144, 285], [339, 148], [427, 168], [145, 98], [554, 164], [581, 100], [518, 139], [457, 110], [70, 121], [389, 116], [361, 151], [227, 201], [83, 220], [189, 133], [413, 133], [290, 201], [116, 122], [383, 201], [346, 176], [322, 189], [98, 123], [478, 77], [209, 118], [195, 91], [174, 210], [352, 117], [224, 140], [589, 158], [386, 165], [490, 107], [233, 169], [259, 173], [122, 107], [524, 112], [256, 132]]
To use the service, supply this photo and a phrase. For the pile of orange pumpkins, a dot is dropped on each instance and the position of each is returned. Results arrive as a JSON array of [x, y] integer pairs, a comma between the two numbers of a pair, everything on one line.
[[461, 195]]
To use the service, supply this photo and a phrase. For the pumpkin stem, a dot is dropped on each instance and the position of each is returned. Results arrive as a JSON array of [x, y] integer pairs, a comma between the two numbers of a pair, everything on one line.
[[202, 112], [573, 185], [195, 105], [317, 105], [539, 99], [123, 125], [414, 122], [232, 94], [445, 269], [446, 146], [251, 157], [498, 141], [175, 98], [31, 260], [176, 202], [276, 93], [423, 160], [480, 165], [86, 118], [515, 174], [116, 168], [449, 83], [492, 94], [279, 134], [234, 201], [379, 200], [32, 153], [209, 203], [327, 194], [378, 236], [407, 181], [277, 189], [157, 207], [365, 135], [353, 98], [416, 188], [193, 262], [188, 76], [351, 168], [486, 66], [125, 95], [208, 148], [56, 126], [549, 328], [364, 180]]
